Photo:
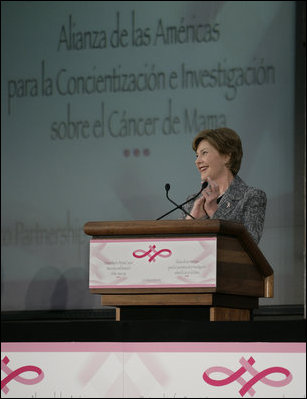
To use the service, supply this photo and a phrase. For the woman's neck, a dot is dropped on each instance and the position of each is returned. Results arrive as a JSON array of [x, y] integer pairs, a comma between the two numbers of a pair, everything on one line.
[[224, 182]]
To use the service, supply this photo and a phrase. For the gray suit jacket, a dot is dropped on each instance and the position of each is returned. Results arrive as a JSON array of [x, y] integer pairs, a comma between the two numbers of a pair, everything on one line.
[[243, 204]]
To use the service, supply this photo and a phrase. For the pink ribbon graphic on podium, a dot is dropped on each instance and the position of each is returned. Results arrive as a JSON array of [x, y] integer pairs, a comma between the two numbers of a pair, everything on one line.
[[15, 375], [152, 253], [247, 385]]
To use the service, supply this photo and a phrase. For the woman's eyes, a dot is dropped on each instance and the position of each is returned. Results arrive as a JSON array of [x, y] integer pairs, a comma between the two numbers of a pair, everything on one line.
[[202, 153]]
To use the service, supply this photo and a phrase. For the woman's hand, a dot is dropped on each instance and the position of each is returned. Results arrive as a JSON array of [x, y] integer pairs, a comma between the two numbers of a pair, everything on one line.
[[211, 194], [206, 204], [198, 210]]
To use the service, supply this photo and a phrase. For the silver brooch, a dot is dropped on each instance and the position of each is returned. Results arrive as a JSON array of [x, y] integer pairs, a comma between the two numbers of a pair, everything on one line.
[[228, 205]]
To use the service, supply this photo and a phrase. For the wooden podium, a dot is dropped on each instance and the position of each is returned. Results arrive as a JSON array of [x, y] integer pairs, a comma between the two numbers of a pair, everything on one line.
[[242, 272]]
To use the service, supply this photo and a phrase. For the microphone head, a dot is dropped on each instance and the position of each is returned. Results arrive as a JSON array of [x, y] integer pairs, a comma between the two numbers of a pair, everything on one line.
[[204, 185], [167, 187]]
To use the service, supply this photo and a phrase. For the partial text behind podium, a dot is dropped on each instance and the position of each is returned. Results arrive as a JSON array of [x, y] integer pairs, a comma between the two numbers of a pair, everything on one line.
[[243, 274]]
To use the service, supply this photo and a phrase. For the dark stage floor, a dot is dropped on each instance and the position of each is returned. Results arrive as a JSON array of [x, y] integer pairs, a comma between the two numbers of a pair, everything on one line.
[[172, 325]]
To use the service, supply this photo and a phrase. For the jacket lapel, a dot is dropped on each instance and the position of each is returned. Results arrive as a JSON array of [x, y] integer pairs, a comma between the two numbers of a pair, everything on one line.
[[230, 198]]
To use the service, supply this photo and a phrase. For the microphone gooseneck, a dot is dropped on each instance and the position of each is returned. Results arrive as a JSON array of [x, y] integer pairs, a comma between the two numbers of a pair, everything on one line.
[[167, 188]]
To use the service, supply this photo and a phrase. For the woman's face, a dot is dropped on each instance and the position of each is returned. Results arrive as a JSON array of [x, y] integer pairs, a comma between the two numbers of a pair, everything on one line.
[[210, 162]]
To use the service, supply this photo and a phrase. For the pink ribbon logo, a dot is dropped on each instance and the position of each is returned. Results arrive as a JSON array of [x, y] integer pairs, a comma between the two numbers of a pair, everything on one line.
[[152, 253], [15, 375], [247, 385]]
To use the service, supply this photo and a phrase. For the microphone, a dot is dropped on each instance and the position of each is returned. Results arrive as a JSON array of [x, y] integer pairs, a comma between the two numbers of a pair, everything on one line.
[[167, 187]]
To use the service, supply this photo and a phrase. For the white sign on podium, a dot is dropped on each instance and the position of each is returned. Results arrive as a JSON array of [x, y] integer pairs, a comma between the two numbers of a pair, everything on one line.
[[153, 262]]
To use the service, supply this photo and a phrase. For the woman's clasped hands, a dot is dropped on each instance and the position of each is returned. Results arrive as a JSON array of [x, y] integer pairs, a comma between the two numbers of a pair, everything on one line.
[[206, 204]]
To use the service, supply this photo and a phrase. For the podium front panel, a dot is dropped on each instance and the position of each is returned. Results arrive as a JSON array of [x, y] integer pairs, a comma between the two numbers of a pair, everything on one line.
[[153, 263]]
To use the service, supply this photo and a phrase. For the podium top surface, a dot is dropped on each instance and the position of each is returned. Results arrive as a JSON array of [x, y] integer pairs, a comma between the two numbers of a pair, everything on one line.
[[149, 227]]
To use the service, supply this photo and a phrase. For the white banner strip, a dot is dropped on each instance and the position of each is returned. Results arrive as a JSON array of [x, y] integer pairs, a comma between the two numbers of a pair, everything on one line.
[[155, 369]]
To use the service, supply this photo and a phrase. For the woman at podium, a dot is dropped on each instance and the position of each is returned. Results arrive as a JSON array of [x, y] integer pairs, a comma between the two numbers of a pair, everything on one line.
[[227, 196]]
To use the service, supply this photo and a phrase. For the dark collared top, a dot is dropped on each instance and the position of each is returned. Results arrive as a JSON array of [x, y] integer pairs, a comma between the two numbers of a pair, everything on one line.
[[240, 203]]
